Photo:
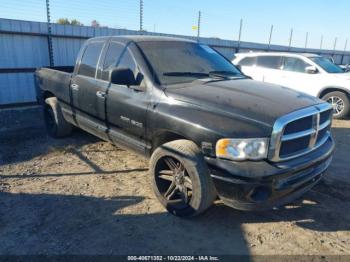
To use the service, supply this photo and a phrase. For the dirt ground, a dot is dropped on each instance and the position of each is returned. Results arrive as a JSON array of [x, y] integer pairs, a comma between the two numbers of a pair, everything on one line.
[[81, 195]]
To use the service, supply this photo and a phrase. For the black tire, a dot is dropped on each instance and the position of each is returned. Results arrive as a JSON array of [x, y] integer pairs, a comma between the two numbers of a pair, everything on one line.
[[55, 123], [191, 175], [340, 102]]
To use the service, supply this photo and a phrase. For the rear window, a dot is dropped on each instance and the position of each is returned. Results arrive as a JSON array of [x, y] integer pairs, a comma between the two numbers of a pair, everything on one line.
[[273, 62], [90, 58]]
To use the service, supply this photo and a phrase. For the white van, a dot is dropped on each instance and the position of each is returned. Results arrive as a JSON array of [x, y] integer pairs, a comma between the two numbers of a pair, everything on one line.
[[309, 73]]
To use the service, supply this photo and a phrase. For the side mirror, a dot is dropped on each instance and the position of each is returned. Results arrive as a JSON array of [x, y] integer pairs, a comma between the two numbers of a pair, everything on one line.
[[123, 76], [311, 69]]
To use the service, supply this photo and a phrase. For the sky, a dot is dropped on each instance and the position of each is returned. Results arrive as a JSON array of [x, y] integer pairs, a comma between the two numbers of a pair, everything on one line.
[[219, 18]]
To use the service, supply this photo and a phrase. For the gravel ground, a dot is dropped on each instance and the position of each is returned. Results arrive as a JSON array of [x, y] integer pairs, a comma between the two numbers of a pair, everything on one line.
[[81, 195]]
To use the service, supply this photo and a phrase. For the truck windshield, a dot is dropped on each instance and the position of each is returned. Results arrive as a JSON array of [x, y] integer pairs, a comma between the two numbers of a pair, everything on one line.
[[176, 62], [327, 65]]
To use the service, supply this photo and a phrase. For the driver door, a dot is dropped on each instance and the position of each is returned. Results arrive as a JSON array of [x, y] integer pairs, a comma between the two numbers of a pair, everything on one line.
[[126, 108], [294, 76]]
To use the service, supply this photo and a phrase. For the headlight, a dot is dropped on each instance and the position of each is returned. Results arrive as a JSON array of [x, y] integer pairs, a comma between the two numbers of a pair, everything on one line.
[[241, 149]]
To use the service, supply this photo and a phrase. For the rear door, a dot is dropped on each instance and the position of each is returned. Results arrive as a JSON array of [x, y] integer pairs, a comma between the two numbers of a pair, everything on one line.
[[88, 94], [270, 68]]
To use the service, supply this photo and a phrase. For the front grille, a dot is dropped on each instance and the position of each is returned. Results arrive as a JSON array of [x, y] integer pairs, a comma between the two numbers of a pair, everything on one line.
[[300, 132]]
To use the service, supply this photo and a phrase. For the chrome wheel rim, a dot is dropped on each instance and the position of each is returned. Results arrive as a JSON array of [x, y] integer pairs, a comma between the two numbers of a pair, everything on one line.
[[337, 103], [173, 181]]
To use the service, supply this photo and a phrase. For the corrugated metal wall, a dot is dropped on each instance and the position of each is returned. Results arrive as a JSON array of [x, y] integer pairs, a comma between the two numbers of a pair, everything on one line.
[[24, 47]]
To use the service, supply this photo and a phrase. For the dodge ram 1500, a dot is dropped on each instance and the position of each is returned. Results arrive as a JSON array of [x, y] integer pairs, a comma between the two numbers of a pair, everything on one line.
[[209, 130]]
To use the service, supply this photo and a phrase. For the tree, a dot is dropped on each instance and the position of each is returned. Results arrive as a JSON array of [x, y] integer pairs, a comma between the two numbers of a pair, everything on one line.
[[75, 22], [65, 21]]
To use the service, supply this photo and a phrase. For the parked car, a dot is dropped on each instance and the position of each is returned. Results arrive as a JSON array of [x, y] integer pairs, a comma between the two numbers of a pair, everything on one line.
[[209, 130], [308, 73]]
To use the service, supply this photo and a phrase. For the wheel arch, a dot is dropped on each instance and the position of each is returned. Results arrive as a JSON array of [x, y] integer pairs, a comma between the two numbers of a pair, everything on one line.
[[165, 136], [329, 89], [47, 94]]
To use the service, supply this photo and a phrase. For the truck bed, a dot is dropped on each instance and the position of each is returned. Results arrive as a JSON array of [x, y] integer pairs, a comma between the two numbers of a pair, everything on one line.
[[55, 80]]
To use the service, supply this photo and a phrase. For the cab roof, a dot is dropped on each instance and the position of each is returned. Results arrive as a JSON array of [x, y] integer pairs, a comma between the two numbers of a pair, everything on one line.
[[142, 38]]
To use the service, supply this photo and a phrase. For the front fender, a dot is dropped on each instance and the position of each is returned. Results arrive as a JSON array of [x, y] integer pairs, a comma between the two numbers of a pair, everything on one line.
[[201, 125]]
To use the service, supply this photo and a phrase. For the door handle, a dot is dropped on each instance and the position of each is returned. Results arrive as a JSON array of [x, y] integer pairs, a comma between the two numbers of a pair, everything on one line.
[[74, 87], [101, 94]]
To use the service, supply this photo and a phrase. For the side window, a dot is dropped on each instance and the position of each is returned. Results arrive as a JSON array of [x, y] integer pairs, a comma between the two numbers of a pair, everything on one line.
[[111, 59], [294, 64], [248, 61], [273, 62], [127, 61], [90, 58]]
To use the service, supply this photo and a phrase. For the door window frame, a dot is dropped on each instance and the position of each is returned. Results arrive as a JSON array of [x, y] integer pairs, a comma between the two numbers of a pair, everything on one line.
[[295, 57], [76, 71]]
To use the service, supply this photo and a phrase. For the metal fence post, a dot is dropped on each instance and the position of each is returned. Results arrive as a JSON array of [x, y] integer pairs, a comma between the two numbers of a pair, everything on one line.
[[335, 44], [49, 36], [199, 25], [306, 39], [290, 39], [342, 57], [141, 15], [239, 35], [270, 37]]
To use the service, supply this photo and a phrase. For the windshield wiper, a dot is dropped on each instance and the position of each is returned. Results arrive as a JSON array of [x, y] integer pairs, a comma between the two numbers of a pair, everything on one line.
[[224, 74], [199, 74]]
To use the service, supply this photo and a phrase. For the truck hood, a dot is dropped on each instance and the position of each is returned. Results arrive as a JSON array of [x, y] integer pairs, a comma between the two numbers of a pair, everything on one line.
[[242, 98]]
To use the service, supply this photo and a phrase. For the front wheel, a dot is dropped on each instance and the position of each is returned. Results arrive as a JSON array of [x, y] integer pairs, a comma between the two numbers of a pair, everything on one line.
[[181, 179], [340, 103]]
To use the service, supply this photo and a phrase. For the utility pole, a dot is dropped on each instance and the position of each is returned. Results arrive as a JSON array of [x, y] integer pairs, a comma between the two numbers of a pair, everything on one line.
[[240, 34], [49, 36], [321, 42], [199, 25], [141, 15], [290, 39], [270, 37], [306, 39]]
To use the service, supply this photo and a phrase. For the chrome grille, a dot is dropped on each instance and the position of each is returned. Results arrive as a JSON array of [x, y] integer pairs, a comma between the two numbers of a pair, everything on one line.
[[300, 132]]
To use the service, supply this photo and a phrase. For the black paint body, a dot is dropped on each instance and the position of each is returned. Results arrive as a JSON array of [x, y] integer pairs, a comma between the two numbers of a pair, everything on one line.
[[202, 111]]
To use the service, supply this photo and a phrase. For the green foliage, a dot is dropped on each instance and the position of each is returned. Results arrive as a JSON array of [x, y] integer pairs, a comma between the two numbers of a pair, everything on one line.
[[65, 21]]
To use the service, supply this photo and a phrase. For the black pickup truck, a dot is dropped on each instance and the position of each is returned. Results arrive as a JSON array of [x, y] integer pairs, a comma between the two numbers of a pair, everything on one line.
[[209, 130]]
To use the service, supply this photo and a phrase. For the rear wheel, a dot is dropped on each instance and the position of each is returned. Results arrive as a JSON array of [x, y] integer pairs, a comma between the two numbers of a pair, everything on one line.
[[181, 179], [340, 103], [55, 123]]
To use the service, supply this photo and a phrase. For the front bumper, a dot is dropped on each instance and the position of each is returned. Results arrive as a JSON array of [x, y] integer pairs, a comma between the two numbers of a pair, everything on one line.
[[262, 185]]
